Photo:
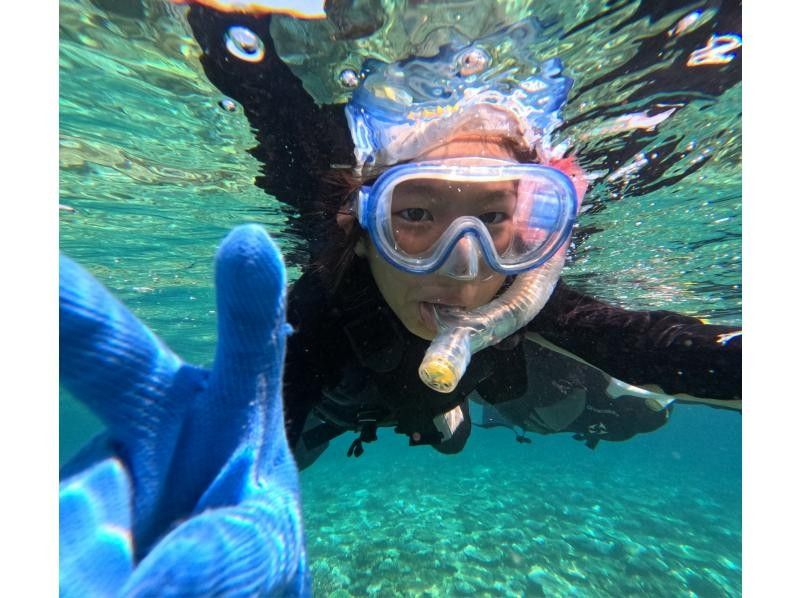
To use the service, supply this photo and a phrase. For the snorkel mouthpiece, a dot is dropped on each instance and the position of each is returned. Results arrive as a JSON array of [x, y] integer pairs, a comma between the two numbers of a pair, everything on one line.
[[463, 333], [446, 359]]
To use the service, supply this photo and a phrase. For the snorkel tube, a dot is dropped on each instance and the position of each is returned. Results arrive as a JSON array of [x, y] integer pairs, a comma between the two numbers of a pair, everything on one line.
[[462, 333]]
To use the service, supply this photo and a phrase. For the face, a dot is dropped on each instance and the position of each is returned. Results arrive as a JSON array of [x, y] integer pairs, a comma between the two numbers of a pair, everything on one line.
[[421, 207]]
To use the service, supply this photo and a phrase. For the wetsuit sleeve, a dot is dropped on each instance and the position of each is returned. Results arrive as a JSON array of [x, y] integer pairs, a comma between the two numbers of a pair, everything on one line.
[[678, 353]]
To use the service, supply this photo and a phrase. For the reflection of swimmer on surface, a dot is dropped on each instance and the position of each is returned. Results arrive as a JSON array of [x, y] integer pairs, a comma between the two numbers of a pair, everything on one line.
[[450, 224]]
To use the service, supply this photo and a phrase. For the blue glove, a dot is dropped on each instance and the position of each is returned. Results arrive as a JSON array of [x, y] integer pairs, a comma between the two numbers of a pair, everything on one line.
[[192, 490]]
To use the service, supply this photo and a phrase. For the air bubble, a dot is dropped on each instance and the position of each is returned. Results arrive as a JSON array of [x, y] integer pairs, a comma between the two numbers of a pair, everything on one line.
[[244, 44], [348, 78], [227, 104], [472, 62]]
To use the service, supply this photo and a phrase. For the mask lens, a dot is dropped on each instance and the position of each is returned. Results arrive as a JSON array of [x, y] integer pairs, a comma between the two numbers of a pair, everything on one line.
[[422, 210], [517, 215], [538, 219]]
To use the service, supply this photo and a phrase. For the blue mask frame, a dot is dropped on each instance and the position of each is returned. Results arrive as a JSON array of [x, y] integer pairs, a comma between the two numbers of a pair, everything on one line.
[[374, 203]]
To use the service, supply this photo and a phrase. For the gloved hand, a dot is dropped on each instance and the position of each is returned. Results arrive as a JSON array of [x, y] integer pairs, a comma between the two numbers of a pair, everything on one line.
[[192, 490]]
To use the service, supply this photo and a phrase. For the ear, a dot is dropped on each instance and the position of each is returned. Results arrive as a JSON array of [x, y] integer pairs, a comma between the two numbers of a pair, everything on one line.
[[345, 222]]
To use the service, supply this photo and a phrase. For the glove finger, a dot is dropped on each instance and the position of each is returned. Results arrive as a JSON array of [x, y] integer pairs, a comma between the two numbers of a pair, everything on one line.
[[255, 548], [252, 328], [251, 297], [95, 544], [108, 358]]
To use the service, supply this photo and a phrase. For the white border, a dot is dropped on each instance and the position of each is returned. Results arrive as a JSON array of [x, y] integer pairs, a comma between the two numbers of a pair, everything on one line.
[[29, 316], [771, 415]]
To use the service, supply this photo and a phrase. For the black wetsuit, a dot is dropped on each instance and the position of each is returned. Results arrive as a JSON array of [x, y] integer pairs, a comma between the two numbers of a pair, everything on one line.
[[351, 365]]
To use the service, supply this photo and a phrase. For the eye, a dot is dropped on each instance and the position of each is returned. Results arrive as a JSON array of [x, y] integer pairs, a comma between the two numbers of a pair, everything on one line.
[[415, 215], [493, 217]]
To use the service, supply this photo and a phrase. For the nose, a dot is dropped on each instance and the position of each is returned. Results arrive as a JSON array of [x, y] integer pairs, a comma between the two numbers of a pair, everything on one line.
[[463, 261]]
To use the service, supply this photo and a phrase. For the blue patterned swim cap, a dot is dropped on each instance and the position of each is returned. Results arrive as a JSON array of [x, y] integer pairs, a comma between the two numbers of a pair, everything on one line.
[[493, 86]]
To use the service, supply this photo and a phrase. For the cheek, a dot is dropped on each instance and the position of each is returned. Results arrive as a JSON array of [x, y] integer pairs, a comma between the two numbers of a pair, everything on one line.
[[490, 288], [391, 282]]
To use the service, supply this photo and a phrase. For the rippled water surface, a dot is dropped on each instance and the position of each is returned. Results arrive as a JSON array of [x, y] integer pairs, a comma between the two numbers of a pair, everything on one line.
[[154, 173]]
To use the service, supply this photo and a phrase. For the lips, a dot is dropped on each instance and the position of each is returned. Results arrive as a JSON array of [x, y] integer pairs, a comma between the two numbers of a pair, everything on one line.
[[428, 316]]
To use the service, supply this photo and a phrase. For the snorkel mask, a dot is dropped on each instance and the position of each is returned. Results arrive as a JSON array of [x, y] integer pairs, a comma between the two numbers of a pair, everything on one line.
[[490, 88], [517, 215]]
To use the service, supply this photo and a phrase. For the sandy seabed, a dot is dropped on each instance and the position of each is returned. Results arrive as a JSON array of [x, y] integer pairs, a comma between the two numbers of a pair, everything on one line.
[[491, 527]]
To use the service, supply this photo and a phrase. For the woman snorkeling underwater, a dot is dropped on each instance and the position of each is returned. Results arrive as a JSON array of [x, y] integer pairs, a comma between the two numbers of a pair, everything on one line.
[[438, 217]]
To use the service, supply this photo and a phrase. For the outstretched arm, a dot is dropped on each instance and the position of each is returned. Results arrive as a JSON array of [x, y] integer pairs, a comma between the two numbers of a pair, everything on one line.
[[659, 350]]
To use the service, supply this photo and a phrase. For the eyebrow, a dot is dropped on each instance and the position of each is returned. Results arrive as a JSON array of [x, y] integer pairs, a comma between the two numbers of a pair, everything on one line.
[[481, 197], [497, 195]]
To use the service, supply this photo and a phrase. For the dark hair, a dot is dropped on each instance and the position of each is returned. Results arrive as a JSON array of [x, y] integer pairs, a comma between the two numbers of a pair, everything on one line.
[[335, 259], [341, 183]]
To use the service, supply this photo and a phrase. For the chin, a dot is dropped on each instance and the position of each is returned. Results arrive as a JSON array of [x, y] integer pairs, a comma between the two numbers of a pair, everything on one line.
[[419, 329], [425, 334]]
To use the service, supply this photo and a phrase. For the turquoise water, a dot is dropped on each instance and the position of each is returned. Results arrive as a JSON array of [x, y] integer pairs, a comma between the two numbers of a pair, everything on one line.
[[154, 173]]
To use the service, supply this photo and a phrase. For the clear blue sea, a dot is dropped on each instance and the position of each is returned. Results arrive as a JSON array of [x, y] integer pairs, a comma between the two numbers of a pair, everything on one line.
[[154, 174]]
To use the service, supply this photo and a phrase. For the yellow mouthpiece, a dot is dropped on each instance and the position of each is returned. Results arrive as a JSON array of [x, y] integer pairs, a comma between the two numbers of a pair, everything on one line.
[[439, 374]]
